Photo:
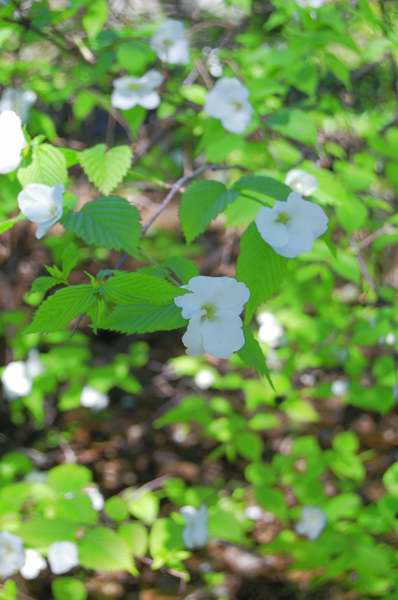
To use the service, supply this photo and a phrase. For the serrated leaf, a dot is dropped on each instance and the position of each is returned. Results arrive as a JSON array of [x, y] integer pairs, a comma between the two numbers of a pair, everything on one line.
[[61, 308], [263, 185], [127, 288], [252, 355], [48, 166], [43, 284], [144, 318], [260, 268], [200, 204], [102, 549], [106, 168], [109, 222]]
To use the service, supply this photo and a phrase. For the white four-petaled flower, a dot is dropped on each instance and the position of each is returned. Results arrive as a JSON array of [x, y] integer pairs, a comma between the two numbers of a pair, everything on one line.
[[93, 398], [12, 554], [62, 556], [213, 308], [12, 141], [42, 205], [312, 522], [171, 43], [301, 182], [137, 91], [228, 101], [33, 565], [196, 531], [19, 101], [291, 227]]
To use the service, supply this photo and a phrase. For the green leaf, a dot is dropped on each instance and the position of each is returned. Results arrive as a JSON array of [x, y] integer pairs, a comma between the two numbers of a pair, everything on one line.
[[68, 588], [48, 166], [61, 308], [260, 268], [390, 479], [263, 185], [200, 204], [145, 506], [101, 549], [136, 537], [144, 318], [116, 508], [43, 532], [9, 224], [69, 478], [95, 17], [252, 355], [43, 284], [109, 222], [106, 168], [128, 288], [295, 124]]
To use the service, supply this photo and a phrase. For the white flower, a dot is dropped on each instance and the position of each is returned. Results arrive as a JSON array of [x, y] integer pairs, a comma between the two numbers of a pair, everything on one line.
[[196, 531], [312, 522], [97, 499], [204, 379], [34, 563], [93, 398], [171, 43], [12, 141], [19, 101], [270, 331], [42, 204], [16, 381], [291, 227], [301, 182], [339, 387], [132, 91], [213, 308], [34, 366], [228, 101], [311, 3], [12, 554], [62, 556]]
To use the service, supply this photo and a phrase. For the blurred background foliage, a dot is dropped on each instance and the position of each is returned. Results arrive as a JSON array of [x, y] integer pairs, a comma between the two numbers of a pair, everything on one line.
[[177, 430]]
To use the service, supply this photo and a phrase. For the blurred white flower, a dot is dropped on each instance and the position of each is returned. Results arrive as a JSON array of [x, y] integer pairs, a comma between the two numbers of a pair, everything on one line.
[[62, 556], [12, 554], [93, 398], [97, 499], [312, 522], [213, 62], [34, 563], [213, 308], [137, 91], [339, 387], [34, 366], [291, 227], [12, 141], [204, 379], [16, 381], [311, 3], [253, 512], [171, 43], [301, 182], [228, 101], [196, 531], [42, 205], [270, 331], [19, 101]]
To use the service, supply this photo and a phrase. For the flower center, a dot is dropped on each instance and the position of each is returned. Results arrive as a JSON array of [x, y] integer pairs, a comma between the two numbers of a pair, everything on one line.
[[167, 43], [210, 312], [237, 105], [283, 218], [134, 87]]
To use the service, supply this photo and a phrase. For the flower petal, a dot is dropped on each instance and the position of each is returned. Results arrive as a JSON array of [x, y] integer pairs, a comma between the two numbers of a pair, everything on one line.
[[274, 233], [222, 336], [193, 339]]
